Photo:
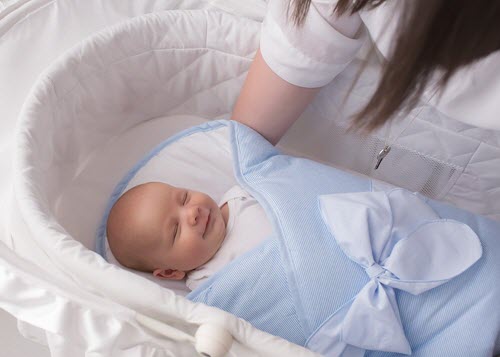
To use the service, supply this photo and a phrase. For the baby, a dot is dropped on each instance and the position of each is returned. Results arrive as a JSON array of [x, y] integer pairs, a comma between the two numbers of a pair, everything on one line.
[[174, 232]]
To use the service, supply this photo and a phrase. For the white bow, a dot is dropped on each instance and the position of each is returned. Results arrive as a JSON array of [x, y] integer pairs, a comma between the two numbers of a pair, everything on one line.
[[401, 243]]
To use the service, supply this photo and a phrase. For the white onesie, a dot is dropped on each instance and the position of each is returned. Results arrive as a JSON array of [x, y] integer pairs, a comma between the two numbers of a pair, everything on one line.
[[247, 226]]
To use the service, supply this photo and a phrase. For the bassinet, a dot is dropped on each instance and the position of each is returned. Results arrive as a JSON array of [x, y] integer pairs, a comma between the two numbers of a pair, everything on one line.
[[169, 70]]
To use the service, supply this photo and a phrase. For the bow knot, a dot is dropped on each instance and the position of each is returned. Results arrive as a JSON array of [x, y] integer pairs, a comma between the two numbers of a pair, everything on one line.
[[374, 271]]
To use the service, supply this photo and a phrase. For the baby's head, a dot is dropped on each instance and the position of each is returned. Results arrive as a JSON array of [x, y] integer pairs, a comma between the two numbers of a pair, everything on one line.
[[166, 230]]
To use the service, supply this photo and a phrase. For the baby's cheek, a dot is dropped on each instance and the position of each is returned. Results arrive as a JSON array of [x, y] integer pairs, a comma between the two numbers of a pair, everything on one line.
[[197, 254]]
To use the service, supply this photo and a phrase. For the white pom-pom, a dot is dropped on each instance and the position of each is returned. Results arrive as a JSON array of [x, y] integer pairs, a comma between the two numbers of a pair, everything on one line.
[[212, 341]]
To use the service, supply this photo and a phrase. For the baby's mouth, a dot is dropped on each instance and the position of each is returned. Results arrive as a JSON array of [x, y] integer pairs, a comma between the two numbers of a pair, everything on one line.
[[206, 225]]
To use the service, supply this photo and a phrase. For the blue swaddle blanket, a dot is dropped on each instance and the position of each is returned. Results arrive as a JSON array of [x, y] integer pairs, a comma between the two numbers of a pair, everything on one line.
[[353, 272]]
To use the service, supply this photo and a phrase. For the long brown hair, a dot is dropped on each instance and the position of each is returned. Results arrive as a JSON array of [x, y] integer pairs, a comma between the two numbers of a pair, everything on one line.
[[432, 35]]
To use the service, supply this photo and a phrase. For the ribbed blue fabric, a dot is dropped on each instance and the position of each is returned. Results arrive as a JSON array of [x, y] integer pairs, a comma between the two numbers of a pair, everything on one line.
[[298, 278], [460, 318], [260, 309]]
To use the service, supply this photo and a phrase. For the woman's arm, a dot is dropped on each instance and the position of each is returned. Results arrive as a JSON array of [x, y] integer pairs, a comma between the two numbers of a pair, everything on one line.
[[269, 104]]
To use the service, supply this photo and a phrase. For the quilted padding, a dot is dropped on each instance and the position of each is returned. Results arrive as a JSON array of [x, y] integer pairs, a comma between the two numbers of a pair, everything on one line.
[[89, 118]]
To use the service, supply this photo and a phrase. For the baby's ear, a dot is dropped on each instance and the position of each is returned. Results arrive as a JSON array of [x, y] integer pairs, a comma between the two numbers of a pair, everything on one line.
[[169, 274]]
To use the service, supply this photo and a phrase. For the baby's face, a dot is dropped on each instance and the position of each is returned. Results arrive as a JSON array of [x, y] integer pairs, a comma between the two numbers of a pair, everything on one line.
[[186, 226]]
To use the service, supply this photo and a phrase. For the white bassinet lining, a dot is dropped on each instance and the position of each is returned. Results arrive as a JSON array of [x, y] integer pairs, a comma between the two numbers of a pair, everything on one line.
[[72, 115]]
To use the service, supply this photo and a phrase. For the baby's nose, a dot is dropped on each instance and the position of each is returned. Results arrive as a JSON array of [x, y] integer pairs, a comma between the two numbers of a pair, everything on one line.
[[194, 215]]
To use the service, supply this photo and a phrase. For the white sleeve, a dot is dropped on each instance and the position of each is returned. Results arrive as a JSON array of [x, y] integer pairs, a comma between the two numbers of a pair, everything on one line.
[[312, 54]]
